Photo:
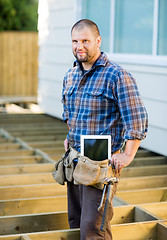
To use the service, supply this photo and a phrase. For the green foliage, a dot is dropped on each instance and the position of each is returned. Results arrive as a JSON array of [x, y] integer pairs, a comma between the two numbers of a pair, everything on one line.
[[19, 15]]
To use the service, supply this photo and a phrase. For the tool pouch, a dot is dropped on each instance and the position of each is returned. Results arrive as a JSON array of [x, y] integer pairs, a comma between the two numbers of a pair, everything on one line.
[[64, 168], [90, 172]]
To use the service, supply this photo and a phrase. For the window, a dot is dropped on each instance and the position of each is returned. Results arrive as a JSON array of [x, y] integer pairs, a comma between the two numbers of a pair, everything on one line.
[[99, 12], [162, 26], [133, 26], [130, 26]]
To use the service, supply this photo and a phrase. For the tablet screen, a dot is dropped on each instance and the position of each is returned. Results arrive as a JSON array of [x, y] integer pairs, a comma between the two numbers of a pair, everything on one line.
[[96, 147]]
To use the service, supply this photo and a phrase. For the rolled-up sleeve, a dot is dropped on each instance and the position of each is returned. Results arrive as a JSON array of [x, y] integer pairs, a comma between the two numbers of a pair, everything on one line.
[[133, 112]]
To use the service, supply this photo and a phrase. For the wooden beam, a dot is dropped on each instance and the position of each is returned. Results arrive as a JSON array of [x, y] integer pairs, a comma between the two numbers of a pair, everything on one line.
[[38, 132], [130, 214], [147, 161], [145, 153], [59, 220], [19, 152], [142, 196], [44, 138], [161, 231], [32, 191], [135, 231], [142, 182], [159, 209], [33, 223], [144, 171], [26, 179], [27, 168], [124, 184], [33, 206], [17, 160], [9, 146]]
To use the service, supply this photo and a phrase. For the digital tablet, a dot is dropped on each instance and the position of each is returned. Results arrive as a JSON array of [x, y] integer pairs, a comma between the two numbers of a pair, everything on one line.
[[96, 147]]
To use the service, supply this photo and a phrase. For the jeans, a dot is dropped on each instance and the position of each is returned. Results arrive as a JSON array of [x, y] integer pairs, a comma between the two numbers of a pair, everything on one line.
[[83, 202]]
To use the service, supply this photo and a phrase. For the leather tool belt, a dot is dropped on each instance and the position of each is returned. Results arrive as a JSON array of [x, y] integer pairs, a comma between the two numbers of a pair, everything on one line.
[[86, 172]]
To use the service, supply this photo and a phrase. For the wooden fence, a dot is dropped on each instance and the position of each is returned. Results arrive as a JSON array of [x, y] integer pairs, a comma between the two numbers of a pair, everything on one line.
[[18, 63]]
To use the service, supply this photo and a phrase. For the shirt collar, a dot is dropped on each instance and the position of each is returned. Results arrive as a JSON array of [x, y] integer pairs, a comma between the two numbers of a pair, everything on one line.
[[101, 61]]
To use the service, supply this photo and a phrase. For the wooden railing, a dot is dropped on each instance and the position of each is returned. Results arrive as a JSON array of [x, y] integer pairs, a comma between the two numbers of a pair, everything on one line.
[[18, 63]]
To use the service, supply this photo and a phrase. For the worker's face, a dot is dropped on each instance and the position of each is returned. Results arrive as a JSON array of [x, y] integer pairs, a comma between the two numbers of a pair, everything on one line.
[[85, 45]]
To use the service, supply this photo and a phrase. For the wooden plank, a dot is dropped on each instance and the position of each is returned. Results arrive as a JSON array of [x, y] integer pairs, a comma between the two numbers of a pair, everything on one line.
[[142, 195], [159, 209], [33, 206], [147, 161], [9, 146], [32, 191], [145, 153], [47, 144], [27, 168], [161, 231], [59, 220], [33, 223], [44, 138], [39, 132], [17, 160], [53, 151], [142, 182], [124, 184], [144, 171], [130, 214], [139, 231], [20, 152], [26, 179]]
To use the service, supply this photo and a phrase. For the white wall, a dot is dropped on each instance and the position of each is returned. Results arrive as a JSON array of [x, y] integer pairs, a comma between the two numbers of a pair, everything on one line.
[[152, 83], [55, 56]]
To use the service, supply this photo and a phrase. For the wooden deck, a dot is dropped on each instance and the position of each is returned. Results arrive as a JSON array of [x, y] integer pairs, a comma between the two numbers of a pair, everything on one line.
[[33, 206]]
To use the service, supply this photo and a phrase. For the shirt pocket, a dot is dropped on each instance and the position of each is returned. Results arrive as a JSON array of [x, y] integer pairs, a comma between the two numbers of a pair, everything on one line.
[[95, 93]]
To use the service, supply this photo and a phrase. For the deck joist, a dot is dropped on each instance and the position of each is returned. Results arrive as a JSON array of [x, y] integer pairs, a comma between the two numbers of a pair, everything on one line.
[[34, 206]]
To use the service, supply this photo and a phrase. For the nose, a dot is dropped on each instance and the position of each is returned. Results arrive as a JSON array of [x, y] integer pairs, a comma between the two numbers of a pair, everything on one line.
[[79, 46]]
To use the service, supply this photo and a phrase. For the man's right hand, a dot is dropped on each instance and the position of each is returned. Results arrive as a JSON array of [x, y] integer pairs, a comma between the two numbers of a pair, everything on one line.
[[66, 144]]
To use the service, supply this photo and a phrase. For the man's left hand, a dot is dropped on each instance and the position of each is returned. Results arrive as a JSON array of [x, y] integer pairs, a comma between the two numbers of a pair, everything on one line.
[[120, 160]]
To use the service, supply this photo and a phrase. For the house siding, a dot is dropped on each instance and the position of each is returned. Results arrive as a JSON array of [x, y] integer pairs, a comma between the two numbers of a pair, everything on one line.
[[55, 57], [55, 20], [152, 84]]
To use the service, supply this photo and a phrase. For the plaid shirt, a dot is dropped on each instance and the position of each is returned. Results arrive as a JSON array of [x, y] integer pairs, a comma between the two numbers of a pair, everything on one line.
[[104, 100]]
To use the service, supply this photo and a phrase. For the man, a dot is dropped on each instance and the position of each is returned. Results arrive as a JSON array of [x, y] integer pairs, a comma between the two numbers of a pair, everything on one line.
[[99, 97]]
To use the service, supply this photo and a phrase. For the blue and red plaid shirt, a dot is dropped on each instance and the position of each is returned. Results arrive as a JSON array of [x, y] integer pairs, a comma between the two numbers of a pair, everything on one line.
[[104, 100]]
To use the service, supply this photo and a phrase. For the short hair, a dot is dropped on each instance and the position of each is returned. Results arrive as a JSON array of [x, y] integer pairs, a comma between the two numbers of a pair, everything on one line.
[[88, 23]]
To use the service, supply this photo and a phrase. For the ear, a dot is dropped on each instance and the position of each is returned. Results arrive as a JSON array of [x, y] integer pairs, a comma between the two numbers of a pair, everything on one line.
[[99, 41]]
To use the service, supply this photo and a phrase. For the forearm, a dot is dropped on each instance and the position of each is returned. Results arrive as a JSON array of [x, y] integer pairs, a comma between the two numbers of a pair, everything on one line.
[[131, 148]]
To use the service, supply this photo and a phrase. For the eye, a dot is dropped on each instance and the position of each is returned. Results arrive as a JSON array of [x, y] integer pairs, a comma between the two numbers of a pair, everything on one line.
[[74, 41], [85, 41]]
